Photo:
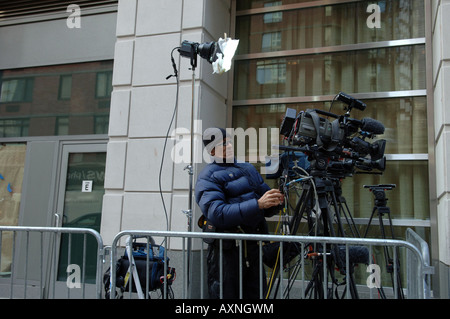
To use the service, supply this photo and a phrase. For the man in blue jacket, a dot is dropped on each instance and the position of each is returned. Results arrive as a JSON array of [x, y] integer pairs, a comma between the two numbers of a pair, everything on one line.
[[233, 198]]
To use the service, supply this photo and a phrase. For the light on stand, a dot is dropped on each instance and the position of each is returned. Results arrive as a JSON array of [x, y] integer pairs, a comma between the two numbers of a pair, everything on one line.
[[205, 50], [219, 54]]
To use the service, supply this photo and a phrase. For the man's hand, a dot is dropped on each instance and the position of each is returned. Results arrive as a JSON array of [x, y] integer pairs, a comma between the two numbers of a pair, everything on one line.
[[271, 198]]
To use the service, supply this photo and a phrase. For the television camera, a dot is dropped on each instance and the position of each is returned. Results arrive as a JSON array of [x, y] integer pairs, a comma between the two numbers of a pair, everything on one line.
[[336, 146]]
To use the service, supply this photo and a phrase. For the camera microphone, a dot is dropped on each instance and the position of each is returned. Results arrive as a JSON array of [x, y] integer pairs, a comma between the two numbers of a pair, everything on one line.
[[372, 126], [351, 101]]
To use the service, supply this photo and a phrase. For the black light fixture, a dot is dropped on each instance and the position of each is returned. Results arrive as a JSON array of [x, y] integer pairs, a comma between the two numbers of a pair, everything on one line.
[[219, 53], [207, 51]]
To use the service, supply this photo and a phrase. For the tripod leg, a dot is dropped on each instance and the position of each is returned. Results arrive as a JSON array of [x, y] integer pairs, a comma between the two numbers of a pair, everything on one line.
[[327, 218], [400, 294], [314, 290], [370, 221], [352, 285], [300, 209], [395, 273], [352, 225], [383, 235], [323, 205], [303, 206], [337, 216], [343, 208]]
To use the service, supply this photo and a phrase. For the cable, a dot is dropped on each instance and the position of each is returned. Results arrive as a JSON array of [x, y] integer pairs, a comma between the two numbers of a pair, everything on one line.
[[331, 105], [167, 134]]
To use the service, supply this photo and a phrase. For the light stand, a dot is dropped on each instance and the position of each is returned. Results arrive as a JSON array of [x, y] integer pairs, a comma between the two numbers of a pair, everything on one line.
[[190, 169], [219, 54]]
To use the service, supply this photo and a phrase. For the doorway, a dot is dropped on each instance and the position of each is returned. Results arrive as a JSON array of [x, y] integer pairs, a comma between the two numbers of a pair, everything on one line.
[[79, 205]]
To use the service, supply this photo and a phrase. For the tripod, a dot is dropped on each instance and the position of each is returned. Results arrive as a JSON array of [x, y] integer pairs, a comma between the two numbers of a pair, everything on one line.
[[327, 190], [381, 208], [320, 205]]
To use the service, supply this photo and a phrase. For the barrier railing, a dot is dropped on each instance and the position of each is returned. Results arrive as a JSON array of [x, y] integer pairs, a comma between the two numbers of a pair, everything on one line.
[[418, 289], [283, 284], [43, 242]]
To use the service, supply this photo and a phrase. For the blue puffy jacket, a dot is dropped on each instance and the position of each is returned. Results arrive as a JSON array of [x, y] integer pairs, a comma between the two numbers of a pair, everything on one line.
[[228, 193]]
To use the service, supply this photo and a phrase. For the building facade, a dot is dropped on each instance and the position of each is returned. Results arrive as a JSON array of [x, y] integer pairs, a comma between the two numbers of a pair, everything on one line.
[[91, 121]]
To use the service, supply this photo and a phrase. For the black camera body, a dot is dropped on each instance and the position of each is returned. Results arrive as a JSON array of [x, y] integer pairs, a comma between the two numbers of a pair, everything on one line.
[[315, 129], [322, 134]]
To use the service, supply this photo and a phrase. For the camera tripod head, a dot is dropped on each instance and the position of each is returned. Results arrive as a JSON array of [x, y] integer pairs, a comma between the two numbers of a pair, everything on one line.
[[379, 192]]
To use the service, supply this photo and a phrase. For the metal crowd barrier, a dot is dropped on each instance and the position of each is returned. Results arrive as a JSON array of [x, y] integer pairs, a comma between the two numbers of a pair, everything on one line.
[[419, 265], [418, 289], [41, 242]]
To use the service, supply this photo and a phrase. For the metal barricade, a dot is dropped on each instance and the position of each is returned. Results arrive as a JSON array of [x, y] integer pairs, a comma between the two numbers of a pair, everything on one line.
[[418, 289], [303, 241], [37, 272], [42, 241]]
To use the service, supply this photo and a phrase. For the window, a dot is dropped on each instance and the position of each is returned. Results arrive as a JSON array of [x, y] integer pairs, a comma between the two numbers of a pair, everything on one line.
[[324, 26], [13, 128], [270, 72], [101, 124], [62, 126], [12, 162], [55, 100], [273, 16], [65, 87], [104, 84], [356, 71], [271, 41], [17, 90]]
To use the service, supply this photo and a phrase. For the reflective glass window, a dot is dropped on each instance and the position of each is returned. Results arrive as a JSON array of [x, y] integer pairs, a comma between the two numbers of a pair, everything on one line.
[[56, 100]]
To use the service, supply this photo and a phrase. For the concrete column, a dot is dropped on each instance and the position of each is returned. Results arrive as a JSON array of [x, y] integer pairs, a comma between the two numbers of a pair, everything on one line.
[[441, 83], [143, 102]]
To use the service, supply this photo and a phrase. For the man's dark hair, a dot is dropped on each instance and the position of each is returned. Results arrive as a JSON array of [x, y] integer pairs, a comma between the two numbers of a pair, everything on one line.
[[213, 136]]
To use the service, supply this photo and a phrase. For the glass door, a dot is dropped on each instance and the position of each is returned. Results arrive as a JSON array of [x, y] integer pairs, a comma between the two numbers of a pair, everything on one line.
[[79, 205]]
